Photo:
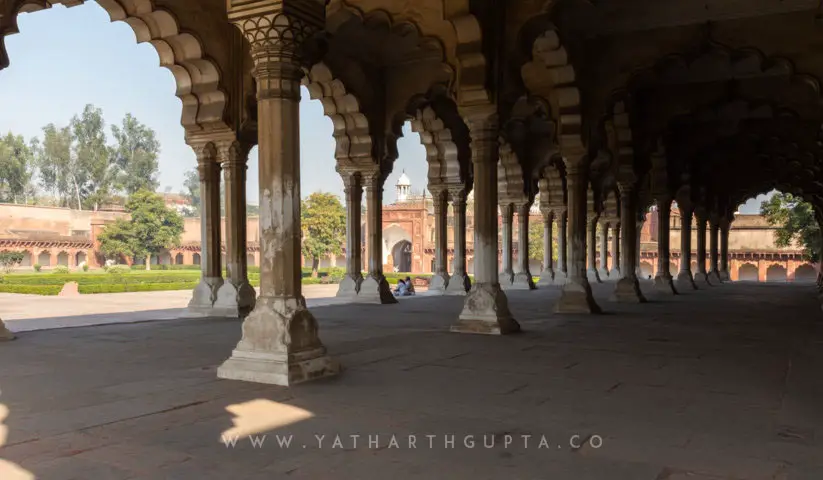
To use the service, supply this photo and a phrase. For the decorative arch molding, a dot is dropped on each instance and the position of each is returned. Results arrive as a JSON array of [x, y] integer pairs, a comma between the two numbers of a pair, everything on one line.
[[198, 78], [471, 88]]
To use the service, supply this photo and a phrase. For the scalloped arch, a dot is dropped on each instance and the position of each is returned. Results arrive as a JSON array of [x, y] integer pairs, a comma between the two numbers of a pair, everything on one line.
[[198, 79]]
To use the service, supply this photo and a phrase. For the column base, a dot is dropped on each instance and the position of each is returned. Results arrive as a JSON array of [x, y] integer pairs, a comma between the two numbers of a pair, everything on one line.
[[627, 290], [701, 279], [5, 334], [724, 276], [604, 275], [459, 284], [486, 311], [506, 280], [375, 289], [234, 300], [576, 297], [685, 281], [546, 277], [664, 284], [439, 283], [280, 346], [561, 278], [714, 277], [350, 285], [203, 297], [615, 274], [593, 276], [523, 281]]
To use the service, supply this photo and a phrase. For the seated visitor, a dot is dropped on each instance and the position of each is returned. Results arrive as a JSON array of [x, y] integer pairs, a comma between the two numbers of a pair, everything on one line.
[[409, 286], [401, 289]]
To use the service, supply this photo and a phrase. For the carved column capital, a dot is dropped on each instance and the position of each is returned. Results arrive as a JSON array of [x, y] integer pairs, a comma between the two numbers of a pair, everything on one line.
[[484, 130], [233, 156], [457, 194]]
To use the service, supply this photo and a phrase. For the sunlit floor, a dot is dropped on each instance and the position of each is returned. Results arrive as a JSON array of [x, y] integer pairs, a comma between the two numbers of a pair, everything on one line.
[[724, 383]]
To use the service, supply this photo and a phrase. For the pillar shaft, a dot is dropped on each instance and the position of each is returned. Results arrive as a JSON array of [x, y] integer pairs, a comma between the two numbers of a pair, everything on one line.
[[604, 250], [663, 280], [486, 309], [506, 226], [440, 279], [459, 282], [375, 288], [685, 280], [724, 250], [616, 259], [562, 248], [701, 277], [627, 289], [353, 187], [593, 274], [714, 254], [280, 343], [523, 278], [547, 275]]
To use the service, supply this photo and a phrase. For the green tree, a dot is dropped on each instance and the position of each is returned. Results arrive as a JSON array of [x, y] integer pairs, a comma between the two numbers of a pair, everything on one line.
[[17, 168], [536, 241], [323, 219], [55, 164], [10, 260], [135, 155], [795, 221], [191, 184], [95, 172], [151, 229]]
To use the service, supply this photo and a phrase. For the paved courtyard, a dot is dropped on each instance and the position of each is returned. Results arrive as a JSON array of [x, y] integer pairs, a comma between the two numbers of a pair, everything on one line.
[[718, 384]]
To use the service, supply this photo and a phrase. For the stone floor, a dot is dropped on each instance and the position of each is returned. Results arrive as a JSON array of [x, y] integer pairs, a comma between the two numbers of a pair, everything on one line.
[[717, 384]]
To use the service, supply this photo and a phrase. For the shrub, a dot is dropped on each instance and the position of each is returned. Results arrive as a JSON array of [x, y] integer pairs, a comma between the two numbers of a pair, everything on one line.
[[31, 289], [118, 270], [60, 270], [336, 274], [37, 267], [135, 287], [85, 267], [10, 260]]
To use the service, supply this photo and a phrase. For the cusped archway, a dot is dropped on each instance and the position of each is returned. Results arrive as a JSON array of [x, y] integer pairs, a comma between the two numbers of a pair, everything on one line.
[[805, 274], [747, 273], [776, 274]]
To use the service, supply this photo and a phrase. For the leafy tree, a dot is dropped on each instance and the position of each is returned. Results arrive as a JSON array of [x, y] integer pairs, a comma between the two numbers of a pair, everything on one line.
[[795, 221], [324, 227], [191, 184], [135, 156], [16, 169], [9, 260], [152, 228], [95, 171], [55, 163], [536, 241]]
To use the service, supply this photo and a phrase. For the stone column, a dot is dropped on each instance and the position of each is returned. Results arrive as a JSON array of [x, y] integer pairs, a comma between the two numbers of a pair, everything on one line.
[[523, 278], [701, 278], [547, 275], [614, 273], [663, 280], [593, 275], [604, 250], [459, 283], [724, 250], [236, 297], [506, 226], [353, 187], [714, 267], [280, 342], [685, 280], [440, 279], [627, 289], [576, 296], [375, 288], [486, 309], [638, 229], [561, 274], [211, 272], [5, 334]]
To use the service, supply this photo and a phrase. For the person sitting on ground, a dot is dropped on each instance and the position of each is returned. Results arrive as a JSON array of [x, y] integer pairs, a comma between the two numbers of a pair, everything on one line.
[[410, 286], [401, 289]]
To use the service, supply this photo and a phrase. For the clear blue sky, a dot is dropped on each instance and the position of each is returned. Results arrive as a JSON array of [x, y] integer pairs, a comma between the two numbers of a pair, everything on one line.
[[65, 58]]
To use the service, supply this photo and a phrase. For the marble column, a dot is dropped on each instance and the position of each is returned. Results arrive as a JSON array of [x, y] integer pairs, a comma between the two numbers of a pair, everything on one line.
[[576, 296], [236, 297], [440, 279], [506, 226], [714, 254], [592, 273], [353, 188], [375, 288], [547, 275], [685, 280], [280, 343], [211, 272], [615, 272], [627, 289], [663, 280], [561, 272], [701, 278], [5, 334], [604, 251], [724, 250], [486, 309], [523, 278], [459, 282]]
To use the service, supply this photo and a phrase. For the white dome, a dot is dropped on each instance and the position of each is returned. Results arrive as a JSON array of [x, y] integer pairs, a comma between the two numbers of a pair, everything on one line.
[[403, 181]]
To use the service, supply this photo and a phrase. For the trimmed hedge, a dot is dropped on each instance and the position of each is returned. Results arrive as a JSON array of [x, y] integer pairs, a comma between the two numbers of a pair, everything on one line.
[[31, 289], [146, 287], [86, 279]]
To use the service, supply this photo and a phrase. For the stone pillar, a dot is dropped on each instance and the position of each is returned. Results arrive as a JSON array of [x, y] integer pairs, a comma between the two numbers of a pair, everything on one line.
[[440, 279], [211, 272], [714, 233], [604, 251], [5, 334], [615, 273], [523, 278], [663, 280], [638, 229], [576, 296], [353, 187], [375, 288], [627, 289], [685, 280], [547, 275], [459, 283], [280, 344], [724, 250], [506, 226], [486, 309], [593, 275], [236, 297], [561, 274], [701, 278]]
